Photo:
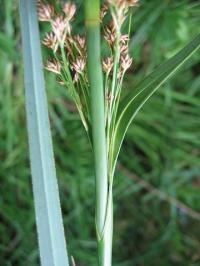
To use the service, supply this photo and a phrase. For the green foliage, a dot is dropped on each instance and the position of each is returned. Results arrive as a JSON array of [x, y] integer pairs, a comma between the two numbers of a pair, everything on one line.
[[133, 102], [162, 147], [46, 197]]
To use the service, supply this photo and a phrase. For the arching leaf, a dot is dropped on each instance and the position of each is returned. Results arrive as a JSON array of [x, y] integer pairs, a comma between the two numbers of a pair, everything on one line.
[[132, 103]]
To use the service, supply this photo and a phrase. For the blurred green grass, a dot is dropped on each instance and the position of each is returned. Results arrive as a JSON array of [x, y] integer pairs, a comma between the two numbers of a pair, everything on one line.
[[162, 148]]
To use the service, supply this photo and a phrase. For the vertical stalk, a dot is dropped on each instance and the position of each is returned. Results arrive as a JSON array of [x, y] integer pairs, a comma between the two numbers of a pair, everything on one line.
[[103, 192]]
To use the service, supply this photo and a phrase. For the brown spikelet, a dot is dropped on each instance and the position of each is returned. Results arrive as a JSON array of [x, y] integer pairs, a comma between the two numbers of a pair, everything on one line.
[[45, 11], [80, 44], [51, 41], [80, 40], [69, 9], [123, 49], [125, 62], [103, 10], [107, 64], [78, 65], [60, 27], [53, 66], [124, 38], [110, 35]]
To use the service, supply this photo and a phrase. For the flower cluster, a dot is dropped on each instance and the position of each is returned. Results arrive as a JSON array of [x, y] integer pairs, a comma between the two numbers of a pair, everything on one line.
[[118, 61], [60, 38], [69, 51]]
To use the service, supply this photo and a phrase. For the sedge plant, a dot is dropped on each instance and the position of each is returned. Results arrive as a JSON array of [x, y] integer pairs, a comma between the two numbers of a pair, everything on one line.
[[94, 81]]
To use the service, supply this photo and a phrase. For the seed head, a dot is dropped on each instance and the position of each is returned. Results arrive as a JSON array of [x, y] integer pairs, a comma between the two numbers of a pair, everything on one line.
[[80, 40], [69, 9], [119, 12], [77, 68], [60, 27], [107, 64], [123, 44], [78, 65], [123, 49], [53, 66], [51, 41], [103, 11], [110, 35], [124, 38], [125, 62], [45, 11], [118, 16]]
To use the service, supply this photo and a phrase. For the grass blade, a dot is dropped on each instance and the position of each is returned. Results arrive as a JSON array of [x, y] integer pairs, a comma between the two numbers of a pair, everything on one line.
[[132, 103], [46, 197]]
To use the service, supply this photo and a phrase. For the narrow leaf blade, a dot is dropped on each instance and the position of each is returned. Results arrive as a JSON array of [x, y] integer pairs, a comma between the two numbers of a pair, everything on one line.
[[45, 188], [132, 103]]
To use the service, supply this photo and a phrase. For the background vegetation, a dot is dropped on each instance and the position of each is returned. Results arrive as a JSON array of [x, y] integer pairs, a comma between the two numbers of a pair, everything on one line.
[[157, 185]]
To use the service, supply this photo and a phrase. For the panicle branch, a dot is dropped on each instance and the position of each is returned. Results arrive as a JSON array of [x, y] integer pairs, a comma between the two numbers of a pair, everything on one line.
[[68, 60]]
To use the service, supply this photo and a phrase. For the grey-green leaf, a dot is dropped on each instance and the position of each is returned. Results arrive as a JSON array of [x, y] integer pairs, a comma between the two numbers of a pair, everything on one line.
[[132, 103], [45, 188]]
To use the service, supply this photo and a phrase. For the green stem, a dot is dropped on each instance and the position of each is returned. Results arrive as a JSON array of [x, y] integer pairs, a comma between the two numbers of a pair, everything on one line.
[[103, 204], [105, 243], [114, 80], [72, 88], [113, 86]]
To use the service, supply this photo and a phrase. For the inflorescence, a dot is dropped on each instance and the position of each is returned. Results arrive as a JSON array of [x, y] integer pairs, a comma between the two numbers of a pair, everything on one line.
[[68, 60]]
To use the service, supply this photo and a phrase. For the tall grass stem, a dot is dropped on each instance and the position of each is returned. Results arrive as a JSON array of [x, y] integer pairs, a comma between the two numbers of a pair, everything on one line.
[[103, 208]]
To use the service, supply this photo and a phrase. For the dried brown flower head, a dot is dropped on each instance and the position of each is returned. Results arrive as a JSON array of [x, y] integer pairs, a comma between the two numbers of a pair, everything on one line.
[[78, 65], [51, 41], [80, 40], [45, 11], [60, 27], [107, 64], [124, 38], [80, 44], [119, 12], [125, 62], [123, 49], [69, 9], [53, 65], [68, 45], [110, 35], [103, 10]]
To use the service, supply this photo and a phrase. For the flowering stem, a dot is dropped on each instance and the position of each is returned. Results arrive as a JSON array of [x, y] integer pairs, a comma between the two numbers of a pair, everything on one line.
[[113, 86], [103, 190], [72, 88]]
